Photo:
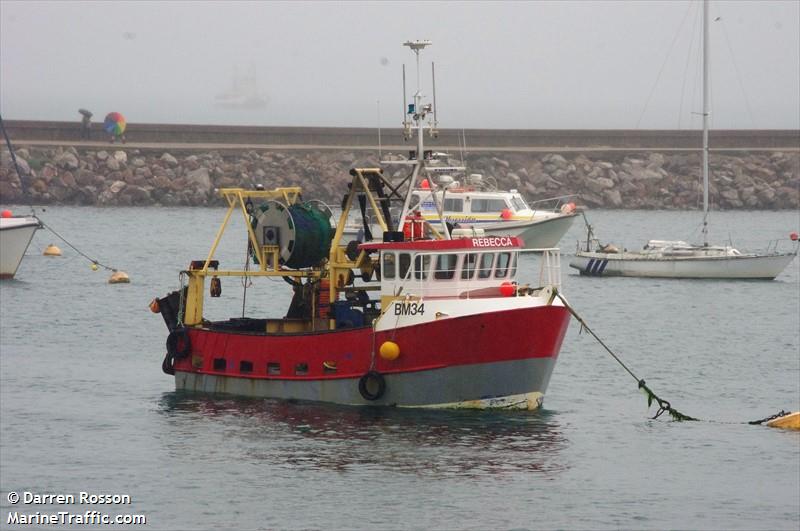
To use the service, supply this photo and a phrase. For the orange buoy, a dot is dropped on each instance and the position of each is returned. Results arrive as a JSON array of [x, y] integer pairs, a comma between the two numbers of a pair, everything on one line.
[[119, 277], [52, 250], [507, 289], [154, 306], [790, 421], [390, 350]]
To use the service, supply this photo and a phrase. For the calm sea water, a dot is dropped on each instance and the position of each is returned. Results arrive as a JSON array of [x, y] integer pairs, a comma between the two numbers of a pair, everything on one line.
[[84, 405]]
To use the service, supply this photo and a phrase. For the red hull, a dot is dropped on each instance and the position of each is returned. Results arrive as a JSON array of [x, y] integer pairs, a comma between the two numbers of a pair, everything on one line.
[[487, 338]]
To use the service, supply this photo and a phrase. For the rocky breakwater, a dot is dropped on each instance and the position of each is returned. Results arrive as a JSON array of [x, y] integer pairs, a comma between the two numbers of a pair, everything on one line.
[[633, 180]]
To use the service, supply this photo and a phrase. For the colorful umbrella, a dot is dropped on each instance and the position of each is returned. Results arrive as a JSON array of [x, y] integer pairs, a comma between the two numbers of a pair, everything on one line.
[[114, 123]]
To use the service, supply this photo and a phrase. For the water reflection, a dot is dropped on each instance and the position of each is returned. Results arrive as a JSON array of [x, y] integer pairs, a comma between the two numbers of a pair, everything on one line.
[[314, 435]]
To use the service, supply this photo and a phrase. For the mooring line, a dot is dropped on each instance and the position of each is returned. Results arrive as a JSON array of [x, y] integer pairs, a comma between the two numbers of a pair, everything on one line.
[[92, 260], [663, 405], [33, 211]]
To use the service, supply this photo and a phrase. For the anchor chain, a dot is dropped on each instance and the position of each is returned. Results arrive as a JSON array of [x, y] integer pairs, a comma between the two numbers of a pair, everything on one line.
[[781, 413]]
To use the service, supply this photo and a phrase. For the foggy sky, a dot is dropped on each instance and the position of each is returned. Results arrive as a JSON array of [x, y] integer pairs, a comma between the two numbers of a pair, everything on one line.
[[591, 64]]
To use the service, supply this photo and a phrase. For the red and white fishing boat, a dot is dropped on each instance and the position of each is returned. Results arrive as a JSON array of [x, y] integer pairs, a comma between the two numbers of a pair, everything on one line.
[[423, 318]]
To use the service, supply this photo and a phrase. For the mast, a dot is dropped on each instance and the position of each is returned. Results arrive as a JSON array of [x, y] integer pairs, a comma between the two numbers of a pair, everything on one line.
[[414, 118], [706, 114]]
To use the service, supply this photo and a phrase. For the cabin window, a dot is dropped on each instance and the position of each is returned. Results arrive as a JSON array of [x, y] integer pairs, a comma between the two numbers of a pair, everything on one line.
[[301, 369], [488, 205], [388, 265], [485, 268], [273, 368], [469, 267], [445, 266], [513, 265], [454, 205], [245, 366], [501, 270], [421, 266], [220, 364], [405, 263], [518, 203]]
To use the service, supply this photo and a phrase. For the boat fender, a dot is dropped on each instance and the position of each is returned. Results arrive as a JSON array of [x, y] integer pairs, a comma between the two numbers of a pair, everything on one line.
[[351, 251], [216, 287], [178, 343], [372, 385], [168, 365]]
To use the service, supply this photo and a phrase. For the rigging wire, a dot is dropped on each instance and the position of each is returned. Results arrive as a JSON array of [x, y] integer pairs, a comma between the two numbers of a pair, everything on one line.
[[663, 65], [738, 74], [693, 35], [14, 160]]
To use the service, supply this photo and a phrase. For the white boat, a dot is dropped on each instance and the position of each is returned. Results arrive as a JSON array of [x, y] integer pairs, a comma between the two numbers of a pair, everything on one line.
[[16, 233], [243, 93], [675, 258], [479, 205]]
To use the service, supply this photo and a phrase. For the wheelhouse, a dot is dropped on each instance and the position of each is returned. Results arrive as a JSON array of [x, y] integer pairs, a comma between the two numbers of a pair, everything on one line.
[[447, 268]]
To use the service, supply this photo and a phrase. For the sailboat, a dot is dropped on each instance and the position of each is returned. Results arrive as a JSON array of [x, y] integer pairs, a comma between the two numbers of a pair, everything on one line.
[[677, 258]]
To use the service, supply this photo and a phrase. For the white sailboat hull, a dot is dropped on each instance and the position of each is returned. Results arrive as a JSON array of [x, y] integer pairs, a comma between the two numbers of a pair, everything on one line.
[[745, 266], [15, 237]]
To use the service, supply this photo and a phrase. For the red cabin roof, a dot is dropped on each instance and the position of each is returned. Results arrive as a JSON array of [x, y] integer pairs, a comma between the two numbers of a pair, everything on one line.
[[477, 242]]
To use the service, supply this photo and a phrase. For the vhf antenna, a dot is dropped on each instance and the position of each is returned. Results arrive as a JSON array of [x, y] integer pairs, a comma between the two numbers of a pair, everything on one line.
[[406, 124], [434, 131]]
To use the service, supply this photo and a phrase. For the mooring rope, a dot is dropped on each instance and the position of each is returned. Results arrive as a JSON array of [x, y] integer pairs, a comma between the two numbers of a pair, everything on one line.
[[63, 239], [41, 222], [663, 405]]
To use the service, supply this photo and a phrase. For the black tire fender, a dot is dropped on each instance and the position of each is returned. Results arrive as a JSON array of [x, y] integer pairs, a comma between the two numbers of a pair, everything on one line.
[[178, 343], [368, 382]]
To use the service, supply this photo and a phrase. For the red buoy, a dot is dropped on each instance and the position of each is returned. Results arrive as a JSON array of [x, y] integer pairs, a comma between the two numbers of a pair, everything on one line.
[[506, 213], [6, 214], [793, 236], [425, 185], [507, 289]]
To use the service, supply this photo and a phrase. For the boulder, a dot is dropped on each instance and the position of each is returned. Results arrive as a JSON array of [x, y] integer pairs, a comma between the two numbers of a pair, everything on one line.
[[67, 161], [199, 180], [117, 186], [612, 198], [169, 160]]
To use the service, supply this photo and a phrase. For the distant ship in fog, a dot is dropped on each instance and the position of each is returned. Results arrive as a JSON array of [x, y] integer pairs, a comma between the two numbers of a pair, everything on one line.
[[243, 93]]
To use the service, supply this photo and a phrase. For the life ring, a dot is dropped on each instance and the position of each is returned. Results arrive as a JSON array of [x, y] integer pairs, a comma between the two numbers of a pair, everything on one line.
[[178, 343], [372, 385]]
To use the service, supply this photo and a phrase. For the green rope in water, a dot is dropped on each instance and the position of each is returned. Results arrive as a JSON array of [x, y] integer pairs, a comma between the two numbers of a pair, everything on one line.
[[663, 405]]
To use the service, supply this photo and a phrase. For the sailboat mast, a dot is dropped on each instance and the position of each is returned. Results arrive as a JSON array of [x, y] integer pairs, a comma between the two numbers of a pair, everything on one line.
[[706, 114]]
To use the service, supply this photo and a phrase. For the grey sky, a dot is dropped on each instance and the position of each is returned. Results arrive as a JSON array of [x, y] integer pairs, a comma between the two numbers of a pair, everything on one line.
[[562, 64]]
